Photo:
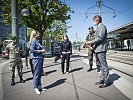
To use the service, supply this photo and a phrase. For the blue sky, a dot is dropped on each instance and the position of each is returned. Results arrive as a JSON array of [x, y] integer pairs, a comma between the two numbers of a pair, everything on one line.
[[79, 23]]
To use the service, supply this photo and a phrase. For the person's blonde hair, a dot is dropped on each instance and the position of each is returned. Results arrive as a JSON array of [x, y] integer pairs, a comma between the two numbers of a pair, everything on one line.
[[33, 33]]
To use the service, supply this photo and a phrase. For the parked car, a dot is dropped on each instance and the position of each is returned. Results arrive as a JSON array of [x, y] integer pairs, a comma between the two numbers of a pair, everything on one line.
[[5, 54]]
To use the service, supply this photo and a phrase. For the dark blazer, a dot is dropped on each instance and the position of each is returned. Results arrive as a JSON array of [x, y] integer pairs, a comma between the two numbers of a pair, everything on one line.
[[100, 41], [66, 46]]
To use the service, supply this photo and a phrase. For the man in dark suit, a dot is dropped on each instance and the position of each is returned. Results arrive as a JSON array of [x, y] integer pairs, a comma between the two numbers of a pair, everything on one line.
[[100, 48]]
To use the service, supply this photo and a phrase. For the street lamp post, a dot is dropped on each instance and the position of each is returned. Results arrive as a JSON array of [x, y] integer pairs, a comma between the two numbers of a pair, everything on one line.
[[25, 13], [50, 49], [14, 9]]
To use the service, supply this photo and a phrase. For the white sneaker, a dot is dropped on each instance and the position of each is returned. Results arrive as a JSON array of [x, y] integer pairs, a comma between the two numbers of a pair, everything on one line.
[[37, 91], [44, 89], [67, 73], [41, 88]]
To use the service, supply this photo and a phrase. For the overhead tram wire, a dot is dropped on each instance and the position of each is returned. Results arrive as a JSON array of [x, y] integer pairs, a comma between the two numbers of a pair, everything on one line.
[[122, 12], [99, 4], [82, 24]]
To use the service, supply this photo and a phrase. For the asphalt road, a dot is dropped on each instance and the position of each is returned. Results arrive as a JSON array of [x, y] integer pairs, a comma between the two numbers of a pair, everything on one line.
[[78, 85], [2, 60], [120, 56]]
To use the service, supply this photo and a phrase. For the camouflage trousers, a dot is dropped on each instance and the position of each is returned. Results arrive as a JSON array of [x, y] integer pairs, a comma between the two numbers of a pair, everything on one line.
[[90, 56], [13, 64]]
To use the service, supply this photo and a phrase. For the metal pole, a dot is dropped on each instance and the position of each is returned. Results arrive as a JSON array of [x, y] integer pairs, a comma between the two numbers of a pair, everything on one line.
[[76, 41], [76, 38], [50, 45], [14, 10], [99, 4], [26, 45]]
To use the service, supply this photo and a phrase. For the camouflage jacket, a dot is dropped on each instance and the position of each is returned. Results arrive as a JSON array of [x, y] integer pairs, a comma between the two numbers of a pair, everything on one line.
[[89, 37], [13, 51]]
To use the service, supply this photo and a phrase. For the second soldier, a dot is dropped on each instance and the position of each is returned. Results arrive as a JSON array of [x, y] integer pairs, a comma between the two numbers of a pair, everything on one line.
[[15, 60], [90, 48]]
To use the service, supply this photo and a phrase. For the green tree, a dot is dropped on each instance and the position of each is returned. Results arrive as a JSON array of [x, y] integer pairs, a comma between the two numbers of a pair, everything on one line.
[[42, 13], [9, 37], [57, 29]]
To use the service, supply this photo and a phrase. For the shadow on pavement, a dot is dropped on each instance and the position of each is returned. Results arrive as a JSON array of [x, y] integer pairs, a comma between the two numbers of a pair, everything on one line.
[[58, 82], [5, 73], [56, 63], [49, 72], [28, 79], [76, 69], [94, 69], [113, 77], [26, 72]]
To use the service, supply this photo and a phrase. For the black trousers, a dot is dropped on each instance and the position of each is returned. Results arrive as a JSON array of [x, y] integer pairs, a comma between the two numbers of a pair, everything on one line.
[[31, 66], [67, 58]]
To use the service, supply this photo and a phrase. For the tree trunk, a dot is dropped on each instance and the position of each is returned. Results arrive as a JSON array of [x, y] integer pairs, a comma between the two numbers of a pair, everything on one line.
[[41, 36]]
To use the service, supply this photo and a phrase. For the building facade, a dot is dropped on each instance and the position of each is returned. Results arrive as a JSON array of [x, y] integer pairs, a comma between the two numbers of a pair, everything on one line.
[[121, 38], [4, 29]]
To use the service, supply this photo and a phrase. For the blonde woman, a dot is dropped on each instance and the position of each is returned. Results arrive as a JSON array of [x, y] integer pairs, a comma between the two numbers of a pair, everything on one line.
[[37, 61], [30, 60]]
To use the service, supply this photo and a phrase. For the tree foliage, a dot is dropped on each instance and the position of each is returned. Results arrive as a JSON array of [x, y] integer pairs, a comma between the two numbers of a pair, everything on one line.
[[42, 13], [57, 29]]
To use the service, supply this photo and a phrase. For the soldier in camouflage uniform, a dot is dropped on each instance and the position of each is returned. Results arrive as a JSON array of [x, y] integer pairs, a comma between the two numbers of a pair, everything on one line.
[[15, 60], [90, 37]]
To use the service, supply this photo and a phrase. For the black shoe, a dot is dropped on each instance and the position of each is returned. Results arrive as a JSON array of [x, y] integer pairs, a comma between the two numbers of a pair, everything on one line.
[[98, 70], [104, 85], [21, 80], [100, 82], [89, 69], [12, 82]]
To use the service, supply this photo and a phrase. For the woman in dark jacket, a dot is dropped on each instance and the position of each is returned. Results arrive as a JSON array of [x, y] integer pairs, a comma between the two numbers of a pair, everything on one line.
[[66, 51]]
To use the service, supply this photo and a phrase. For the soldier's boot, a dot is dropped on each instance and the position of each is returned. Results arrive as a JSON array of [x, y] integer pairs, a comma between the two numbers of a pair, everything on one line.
[[89, 68], [12, 82], [21, 80], [98, 69]]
